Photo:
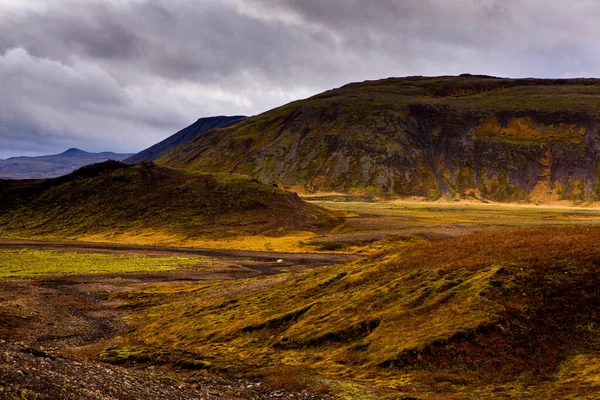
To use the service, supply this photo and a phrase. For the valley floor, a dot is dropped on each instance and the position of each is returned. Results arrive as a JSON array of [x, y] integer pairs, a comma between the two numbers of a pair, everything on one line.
[[70, 332]]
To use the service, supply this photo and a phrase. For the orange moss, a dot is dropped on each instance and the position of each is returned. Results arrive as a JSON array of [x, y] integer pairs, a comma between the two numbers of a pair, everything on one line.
[[524, 129]]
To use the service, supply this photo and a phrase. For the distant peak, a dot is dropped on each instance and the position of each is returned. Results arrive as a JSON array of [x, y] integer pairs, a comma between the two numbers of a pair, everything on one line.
[[72, 151]]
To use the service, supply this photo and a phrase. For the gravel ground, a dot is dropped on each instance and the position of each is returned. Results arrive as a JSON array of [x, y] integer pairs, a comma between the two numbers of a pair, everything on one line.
[[33, 373]]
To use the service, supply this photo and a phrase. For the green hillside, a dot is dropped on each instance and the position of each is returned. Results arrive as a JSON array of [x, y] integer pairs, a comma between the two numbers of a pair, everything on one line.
[[467, 136]]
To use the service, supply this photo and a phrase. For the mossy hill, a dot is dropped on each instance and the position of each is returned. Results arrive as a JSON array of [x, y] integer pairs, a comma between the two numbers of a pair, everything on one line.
[[466, 136], [496, 315], [115, 197]]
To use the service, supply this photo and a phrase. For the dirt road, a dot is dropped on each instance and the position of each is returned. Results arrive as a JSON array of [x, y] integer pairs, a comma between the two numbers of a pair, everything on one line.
[[263, 262]]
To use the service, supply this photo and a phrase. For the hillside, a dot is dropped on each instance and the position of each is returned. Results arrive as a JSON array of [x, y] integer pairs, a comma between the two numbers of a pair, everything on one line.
[[52, 166], [182, 137], [116, 197], [496, 315], [467, 136]]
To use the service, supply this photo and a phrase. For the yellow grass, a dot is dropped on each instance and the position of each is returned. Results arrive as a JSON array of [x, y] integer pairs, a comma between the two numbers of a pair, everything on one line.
[[290, 242]]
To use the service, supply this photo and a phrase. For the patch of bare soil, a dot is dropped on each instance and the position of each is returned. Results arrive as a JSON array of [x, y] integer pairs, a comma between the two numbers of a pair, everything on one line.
[[72, 311], [263, 262]]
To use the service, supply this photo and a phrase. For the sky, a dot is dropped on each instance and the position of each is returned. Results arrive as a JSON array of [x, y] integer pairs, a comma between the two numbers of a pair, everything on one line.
[[121, 75]]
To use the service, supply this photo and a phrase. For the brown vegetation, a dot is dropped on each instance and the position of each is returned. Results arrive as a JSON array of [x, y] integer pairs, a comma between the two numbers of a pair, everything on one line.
[[114, 198], [489, 312]]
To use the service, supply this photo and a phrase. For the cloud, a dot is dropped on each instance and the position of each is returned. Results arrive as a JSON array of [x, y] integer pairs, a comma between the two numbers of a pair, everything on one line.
[[122, 74]]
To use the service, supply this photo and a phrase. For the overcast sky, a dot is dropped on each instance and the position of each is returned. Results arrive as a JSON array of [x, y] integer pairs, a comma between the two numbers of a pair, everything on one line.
[[120, 75]]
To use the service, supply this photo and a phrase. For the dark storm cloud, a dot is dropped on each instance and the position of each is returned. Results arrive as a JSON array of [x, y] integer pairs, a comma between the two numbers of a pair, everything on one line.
[[122, 74]]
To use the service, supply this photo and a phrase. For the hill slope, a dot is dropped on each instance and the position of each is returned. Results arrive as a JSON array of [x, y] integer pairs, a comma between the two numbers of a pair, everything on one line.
[[52, 166], [500, 139], [496, 315], [115, 197], [183, 136]]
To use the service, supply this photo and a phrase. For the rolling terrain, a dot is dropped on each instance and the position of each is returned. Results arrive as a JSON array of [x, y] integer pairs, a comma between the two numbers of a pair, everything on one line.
[[506, 314], [118, 198], [54, 165], [450, 301], [182, 137], [456, 137]]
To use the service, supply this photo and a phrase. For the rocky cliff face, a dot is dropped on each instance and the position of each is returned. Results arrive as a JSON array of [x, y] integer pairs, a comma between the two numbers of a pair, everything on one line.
[[499, 139]]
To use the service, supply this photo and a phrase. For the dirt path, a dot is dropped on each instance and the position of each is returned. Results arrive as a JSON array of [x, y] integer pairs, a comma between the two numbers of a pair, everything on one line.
[[263, 262]]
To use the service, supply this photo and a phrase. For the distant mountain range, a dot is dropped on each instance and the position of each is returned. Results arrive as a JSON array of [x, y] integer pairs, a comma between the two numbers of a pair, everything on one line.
[[52, 166], [183, 136]]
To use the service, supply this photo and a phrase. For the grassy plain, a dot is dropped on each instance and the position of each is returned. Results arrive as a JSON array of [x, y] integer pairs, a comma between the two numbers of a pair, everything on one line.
[[368, 226], [280, 241], [37, 263], [372, 225]]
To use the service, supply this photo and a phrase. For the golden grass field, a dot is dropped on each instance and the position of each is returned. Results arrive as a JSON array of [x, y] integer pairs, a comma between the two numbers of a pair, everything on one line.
[[366, 226], [502, 314], [450, 301]]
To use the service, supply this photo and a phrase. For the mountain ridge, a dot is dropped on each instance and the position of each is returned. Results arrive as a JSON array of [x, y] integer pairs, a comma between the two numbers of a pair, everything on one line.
[[183, 136], [53, 165], [456, 137]]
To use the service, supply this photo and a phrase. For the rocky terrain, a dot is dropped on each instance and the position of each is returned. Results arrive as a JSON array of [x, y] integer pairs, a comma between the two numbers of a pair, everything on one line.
[[51, 328], [32, 373], [454, 137]]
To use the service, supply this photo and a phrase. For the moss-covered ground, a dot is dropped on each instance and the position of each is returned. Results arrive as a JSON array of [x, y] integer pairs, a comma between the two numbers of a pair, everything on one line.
[[115, 199], [420, 136], [451, 301], [505, 314], [37, 263]]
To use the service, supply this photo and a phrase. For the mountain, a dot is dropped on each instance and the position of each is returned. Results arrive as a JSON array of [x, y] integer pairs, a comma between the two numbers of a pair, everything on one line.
[[466, 136], [52, 166], [116, 197], [182, 137]]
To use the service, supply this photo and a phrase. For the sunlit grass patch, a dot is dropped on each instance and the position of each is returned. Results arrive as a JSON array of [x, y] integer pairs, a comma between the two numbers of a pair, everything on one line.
[[284, 241], [405, 215], [34, 263]]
